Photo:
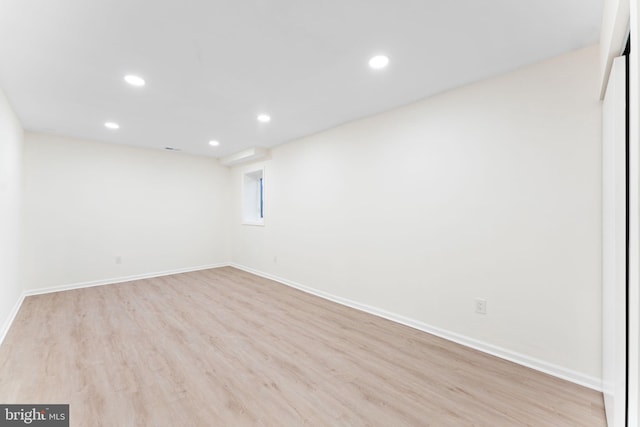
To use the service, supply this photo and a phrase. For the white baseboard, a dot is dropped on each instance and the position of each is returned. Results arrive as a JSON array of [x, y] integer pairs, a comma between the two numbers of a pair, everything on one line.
[[121, 279], [12, 315], [521, 359]]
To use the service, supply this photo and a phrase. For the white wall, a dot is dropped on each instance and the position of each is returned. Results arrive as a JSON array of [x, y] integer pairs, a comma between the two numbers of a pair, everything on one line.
[[614, 246], [492, 190], [86, 203], [11, 136], [613, 36], [634, 219]]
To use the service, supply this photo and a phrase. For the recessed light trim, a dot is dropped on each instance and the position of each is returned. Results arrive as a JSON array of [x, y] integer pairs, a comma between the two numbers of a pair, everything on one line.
[[112, 125], [379, 61], [264, 118], [134, 80], [214, 143]]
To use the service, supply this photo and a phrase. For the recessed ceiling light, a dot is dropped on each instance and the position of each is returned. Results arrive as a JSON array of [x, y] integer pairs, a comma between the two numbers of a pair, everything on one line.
[[264, 118], [112, 125], [134, 80], [379, 61], [214, 143]]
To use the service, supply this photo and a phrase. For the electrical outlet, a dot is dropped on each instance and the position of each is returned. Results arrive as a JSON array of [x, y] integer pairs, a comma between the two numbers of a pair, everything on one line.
[[481, 306], [275, 259], [118, 259]]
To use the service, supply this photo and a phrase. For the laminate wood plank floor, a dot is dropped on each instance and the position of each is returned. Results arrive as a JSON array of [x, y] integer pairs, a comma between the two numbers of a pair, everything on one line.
[[222, 347]]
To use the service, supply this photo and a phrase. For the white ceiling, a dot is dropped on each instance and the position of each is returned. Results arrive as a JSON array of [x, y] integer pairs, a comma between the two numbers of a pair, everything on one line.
[[212, 65]]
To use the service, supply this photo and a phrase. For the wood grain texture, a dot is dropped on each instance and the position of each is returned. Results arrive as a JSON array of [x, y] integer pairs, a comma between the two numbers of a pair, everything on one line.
[[222, 347]]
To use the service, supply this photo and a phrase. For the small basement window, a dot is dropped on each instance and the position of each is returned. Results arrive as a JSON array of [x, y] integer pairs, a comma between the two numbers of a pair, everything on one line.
[[253, 197]]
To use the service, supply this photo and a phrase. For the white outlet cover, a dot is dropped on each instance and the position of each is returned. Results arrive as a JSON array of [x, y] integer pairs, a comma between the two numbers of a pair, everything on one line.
[[481, 306]]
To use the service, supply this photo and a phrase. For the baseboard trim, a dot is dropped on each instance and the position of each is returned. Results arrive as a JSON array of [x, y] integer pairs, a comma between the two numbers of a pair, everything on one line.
[[12, 315], [102, 282], [122, 279], [521, 359]]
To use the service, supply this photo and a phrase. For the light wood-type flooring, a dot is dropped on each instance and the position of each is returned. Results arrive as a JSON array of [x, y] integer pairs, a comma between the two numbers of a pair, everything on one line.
[[222, 347]]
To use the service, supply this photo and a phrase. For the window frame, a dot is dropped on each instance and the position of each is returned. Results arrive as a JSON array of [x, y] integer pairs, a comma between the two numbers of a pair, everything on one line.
[[253, 196]]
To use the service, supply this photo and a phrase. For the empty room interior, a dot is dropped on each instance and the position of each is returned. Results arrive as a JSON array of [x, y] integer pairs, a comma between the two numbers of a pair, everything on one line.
[[286, 213]]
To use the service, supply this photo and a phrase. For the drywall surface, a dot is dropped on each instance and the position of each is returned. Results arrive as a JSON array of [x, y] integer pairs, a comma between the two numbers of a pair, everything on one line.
[[633, 312], [613, 36], [96, 211], [492, 190], [11, 136]]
